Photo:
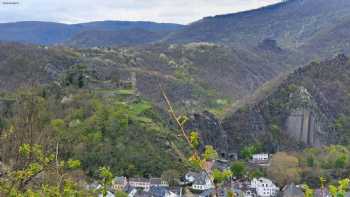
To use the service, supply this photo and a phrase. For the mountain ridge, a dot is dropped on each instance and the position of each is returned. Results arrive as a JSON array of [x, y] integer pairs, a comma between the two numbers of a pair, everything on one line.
[[290, 23], [48, 33]]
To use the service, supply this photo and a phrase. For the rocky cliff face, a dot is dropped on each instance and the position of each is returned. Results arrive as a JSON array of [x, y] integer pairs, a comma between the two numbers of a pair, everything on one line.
[[302, 126], [298, 126], [210, 131], [306, 123], [305, 110]]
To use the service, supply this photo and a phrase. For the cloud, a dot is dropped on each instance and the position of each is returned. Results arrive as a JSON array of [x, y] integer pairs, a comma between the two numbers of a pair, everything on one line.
[[76, 11]]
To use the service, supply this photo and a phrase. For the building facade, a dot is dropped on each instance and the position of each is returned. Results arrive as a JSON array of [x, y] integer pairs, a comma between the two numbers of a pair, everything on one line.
[[140, 183], [260, 157], [119, 183], [264, 187]]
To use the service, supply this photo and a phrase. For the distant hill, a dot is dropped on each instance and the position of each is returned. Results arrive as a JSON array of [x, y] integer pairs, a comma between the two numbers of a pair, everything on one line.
[[48, 33], [36, 32], [291, 23], [105, 38], [332, 41], [298, 25], [23, 64]]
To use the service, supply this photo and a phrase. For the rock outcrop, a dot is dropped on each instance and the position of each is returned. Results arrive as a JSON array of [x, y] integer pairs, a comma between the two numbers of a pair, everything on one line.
[[305, 121], [303, 111], [210, 131]]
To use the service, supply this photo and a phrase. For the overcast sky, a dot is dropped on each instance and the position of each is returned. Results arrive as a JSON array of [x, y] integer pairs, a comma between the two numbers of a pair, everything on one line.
[[76, 11]]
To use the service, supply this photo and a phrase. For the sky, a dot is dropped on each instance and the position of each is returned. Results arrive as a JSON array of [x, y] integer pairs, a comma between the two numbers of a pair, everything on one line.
[[77, 11]]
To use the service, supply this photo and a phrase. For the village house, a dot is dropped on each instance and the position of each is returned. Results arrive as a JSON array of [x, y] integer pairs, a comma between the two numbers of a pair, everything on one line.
[[140, 183], [162, 192], [207, 193], [132, 192], [263, 157], [176, 190], [154, 191], [202, 182], [198, 181], [242, 189], [249, 193], [158, 182], [264, 187], [119, 183], [189, 178], [140, 193]]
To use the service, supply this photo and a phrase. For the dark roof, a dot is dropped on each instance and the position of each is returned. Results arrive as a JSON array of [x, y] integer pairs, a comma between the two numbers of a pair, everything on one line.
[[158, 191], [190, 173], [128, 188], [155, 181], [176, 190], [292, 190], [207, 193], [143, 194], [201, 178], [221, 192], [138, 180]]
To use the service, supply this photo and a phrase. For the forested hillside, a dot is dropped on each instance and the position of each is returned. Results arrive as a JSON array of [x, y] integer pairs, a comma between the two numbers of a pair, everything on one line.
[[98, 127], [310, 108], [196, 76]]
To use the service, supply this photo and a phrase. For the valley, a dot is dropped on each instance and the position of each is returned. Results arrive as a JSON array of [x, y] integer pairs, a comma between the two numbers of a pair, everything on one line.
[[220, 103]]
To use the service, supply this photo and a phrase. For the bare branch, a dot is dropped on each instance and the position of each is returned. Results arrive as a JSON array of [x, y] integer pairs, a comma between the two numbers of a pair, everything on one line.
[[174, 116]]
